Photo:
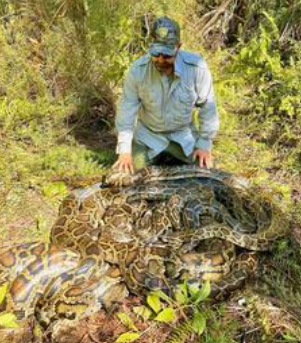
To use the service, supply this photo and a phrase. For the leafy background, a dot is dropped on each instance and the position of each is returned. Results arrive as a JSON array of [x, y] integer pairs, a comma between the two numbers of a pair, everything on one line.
[[62, 63]]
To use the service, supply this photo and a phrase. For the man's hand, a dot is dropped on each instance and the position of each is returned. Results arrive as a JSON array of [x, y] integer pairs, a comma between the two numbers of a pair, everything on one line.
[[125, 163], [204, 157]]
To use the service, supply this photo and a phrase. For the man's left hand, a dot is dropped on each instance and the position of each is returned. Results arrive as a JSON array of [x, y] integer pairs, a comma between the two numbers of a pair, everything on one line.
[[204, 158]]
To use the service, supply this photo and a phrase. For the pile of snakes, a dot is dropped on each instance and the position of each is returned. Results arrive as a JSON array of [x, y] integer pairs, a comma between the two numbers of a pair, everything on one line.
[[133, 233]]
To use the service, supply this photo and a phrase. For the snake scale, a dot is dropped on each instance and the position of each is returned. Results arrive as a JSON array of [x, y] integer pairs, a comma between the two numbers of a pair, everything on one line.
[[132, 233]]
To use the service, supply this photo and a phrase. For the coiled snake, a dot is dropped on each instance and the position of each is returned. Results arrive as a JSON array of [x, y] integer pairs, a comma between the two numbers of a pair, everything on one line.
[[134, 233]]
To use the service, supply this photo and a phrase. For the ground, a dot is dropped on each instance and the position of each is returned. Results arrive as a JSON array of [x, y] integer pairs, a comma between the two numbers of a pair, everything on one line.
[[267, 311]]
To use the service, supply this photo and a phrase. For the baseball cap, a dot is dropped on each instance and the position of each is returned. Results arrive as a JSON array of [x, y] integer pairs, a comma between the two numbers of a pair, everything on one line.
[[165, 35]]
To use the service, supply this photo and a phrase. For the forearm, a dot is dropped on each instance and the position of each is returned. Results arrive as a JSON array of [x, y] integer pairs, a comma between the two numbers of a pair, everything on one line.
[[125, 122], [208, 114], [124, 142], [209, 121], [126, 114]]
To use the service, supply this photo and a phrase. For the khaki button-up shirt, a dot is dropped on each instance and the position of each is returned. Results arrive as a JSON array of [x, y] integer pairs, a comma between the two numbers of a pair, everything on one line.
[[155, 110]]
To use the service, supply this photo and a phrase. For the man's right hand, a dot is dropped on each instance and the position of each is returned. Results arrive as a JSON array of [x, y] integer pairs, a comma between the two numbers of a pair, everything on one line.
[[125, 163]]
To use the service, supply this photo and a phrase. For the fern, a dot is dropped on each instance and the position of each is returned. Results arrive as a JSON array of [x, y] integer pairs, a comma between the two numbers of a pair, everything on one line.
[[181, 333]]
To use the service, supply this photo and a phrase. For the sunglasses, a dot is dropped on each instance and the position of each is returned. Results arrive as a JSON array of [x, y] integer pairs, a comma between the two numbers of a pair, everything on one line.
[[164, 56]]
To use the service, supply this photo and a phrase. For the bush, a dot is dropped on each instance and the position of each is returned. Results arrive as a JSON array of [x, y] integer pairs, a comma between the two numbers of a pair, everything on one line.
[[61, 64], [272, 110]]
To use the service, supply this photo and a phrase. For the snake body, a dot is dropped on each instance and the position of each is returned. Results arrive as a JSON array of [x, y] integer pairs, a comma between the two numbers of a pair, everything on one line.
[[140, 232]]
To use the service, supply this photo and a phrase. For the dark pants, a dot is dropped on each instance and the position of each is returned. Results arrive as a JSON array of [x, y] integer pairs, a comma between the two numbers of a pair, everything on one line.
[[141, 159]]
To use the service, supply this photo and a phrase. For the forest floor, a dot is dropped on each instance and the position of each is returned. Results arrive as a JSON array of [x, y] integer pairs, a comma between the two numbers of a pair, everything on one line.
[[267, 310]]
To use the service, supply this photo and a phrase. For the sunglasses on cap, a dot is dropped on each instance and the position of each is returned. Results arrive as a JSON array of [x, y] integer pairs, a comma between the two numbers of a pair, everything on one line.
[[164, 56]]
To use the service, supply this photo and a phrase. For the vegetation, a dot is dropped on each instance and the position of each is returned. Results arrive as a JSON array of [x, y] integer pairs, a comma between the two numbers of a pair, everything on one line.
[[164, 309], [62, 64], [7, 320]]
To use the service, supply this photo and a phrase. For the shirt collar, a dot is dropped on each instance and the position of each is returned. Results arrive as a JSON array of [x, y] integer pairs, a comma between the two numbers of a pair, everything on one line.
[[179, 64]]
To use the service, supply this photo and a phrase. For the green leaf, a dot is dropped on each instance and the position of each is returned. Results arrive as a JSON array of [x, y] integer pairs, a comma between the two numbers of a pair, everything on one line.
[[167, 315], [181, 294], [290, 338], [143, 312], [184, 288], [128, 337], [204, 292], [38, 332], [54, 189], [126, 320], [154, 302], [194, 290], [3, 291], [8, 320], [181, 299], [162, 296], [198, 322]]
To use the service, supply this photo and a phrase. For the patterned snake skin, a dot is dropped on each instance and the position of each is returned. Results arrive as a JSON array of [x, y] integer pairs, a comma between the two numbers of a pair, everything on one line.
[[135, 233]]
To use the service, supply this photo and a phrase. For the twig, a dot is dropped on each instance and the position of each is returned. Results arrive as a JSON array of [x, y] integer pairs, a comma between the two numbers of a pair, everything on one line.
[[7, 16], [212, 21], [247, 333]]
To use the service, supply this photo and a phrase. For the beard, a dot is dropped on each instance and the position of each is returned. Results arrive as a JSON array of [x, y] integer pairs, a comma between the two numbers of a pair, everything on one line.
[[163, 67]]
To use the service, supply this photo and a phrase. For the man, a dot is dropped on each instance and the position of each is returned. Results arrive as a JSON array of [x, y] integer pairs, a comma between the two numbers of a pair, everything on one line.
[[155, 111]]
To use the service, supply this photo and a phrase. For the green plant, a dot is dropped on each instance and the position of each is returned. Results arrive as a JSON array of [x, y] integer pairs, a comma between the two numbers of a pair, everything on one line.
[[165, 309], [7, 320]]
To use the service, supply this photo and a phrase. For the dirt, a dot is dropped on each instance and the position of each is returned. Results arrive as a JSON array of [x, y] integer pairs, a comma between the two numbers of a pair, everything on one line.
[[27, 216], [105, 327]]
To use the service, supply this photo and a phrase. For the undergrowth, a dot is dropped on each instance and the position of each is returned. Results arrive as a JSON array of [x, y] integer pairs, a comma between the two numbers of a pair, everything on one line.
[[63, 70]]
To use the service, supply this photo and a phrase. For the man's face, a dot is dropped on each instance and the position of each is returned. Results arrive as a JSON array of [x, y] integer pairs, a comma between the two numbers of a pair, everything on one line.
[[165, 63]]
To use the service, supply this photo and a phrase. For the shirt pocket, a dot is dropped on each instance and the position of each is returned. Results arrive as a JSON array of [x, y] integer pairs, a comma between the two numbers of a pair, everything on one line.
[[149, 98], [185, 101]]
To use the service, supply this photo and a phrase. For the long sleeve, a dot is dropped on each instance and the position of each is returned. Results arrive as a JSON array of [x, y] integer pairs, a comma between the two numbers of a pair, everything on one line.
[[126, 114], [208, 115]]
